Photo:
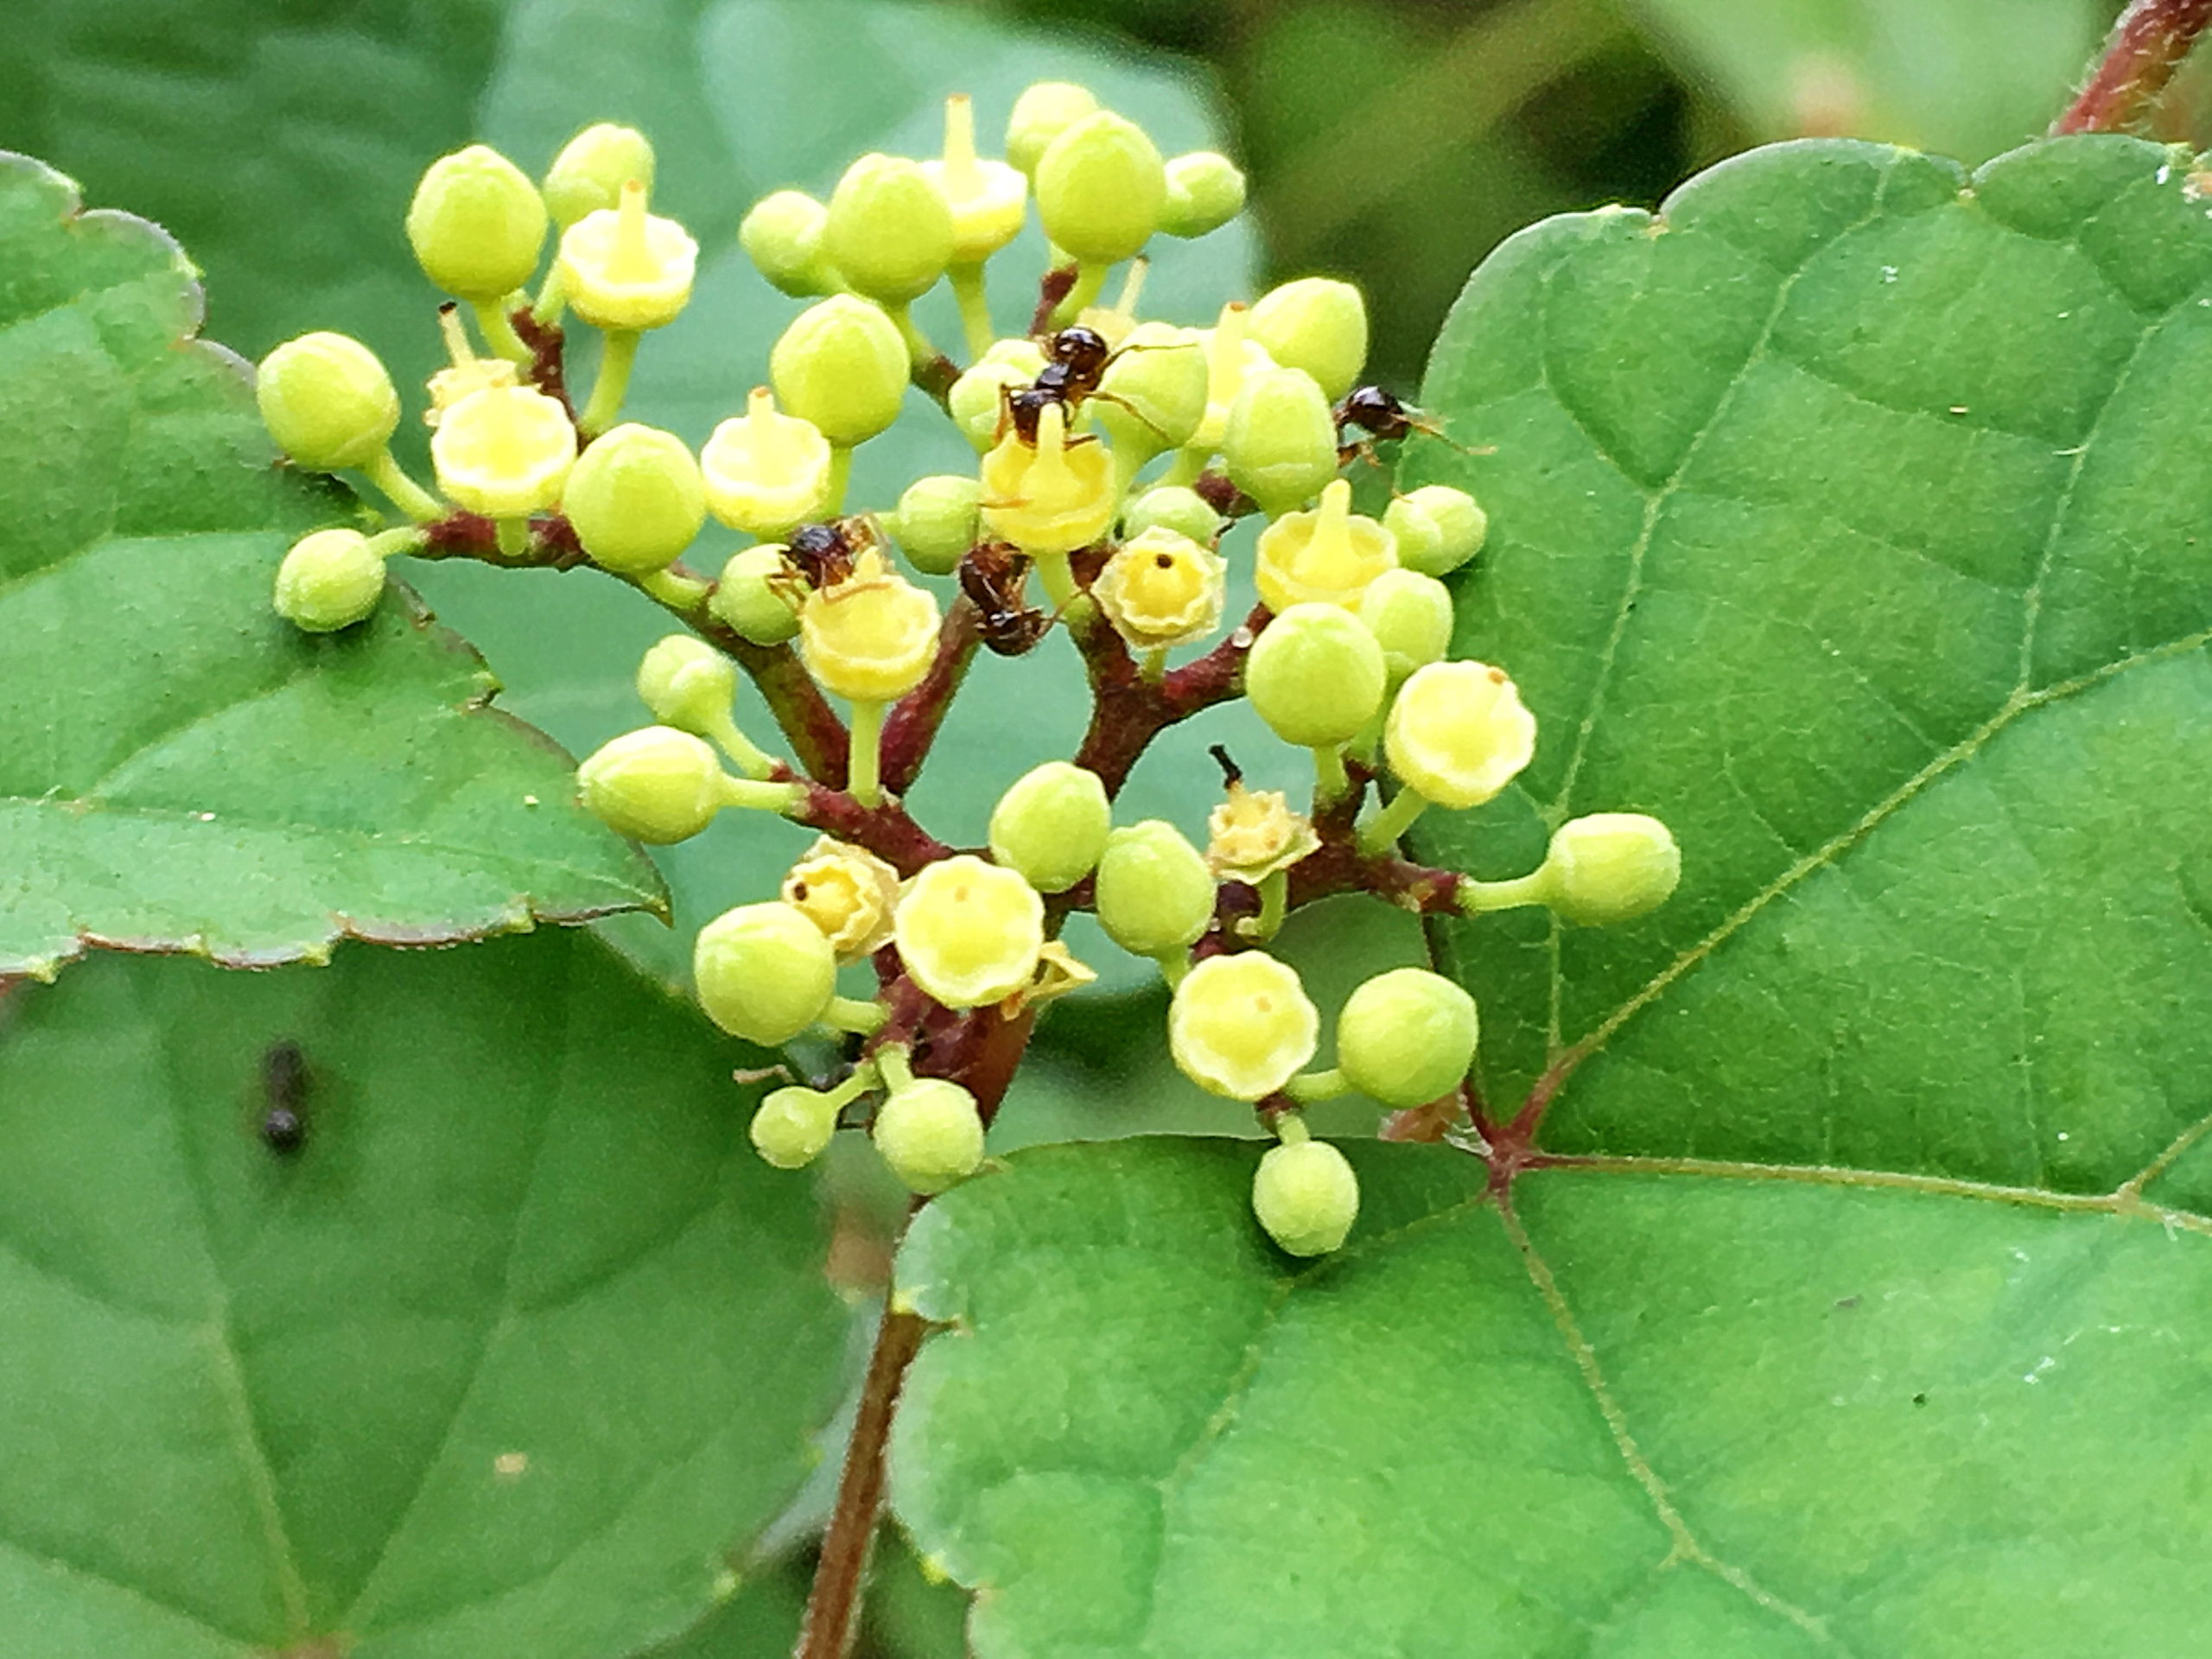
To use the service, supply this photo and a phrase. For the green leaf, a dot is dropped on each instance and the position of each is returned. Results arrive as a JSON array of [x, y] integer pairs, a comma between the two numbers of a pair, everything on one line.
[[179, 768], [1640, 1413], [1850, 520], [1961, 77], [509, 1356]]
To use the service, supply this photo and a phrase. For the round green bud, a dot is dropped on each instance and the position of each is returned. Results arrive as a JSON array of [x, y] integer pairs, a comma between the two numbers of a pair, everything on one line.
[[1280, 447], [1316, 324], [1410, 616], [327, 401], [792, 1127], [476, 224], [1306, 1196], [969, 932], [1242, 1026], [1458, 733], [976, 402], [936, 522], [756, 595], [1610, 867], [1315, 675], [931, 1134], [1407, 1036], [1439, 528], [1041, 114], [1172, 506], [330, 580], [843, 365], [889, 232], [1205, 192], [1155, 894], [687, 683], [1052, 825], [635, 499], [591, 169], [763, 972], [1155, 390], [656, 785], [1100, 188], [782, 238]]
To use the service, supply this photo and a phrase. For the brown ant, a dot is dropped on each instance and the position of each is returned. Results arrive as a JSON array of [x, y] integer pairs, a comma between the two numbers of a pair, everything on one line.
[[1075, 361], [992, 576], [1386, 418], [823, 554]]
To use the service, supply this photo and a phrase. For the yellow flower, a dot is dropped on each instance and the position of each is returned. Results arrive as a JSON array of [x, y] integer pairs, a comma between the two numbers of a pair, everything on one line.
[[870, 636], [969, 932], [1053, 496], [1253, 834], [1327, 557], [504, 451], [766, 473], [624, 268], [988, 199], [1162, 589], [1242, 1026], [1458, 733], [847, 892]]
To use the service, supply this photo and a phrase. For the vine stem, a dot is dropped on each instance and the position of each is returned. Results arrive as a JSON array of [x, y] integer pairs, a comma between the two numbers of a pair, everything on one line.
[[2147, 46], [834, 1602]]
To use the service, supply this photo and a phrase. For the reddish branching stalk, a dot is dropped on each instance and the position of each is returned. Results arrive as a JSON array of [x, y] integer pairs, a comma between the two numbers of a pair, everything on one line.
[[549, 370], [1128, 711], [885, 830], [912, 726], [2147, 46]]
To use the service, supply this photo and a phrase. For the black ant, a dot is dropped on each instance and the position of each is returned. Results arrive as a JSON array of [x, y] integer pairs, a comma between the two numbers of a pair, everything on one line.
[[1386, 418], [284, 1086], [1075, 361], [992, 576], [823, 554]]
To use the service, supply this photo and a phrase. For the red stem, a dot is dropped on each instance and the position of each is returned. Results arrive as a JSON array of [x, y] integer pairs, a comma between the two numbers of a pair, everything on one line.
[[2147, 46], [911, 726]]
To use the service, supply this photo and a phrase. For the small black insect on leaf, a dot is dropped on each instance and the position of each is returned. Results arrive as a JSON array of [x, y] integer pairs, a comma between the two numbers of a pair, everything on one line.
[[284, 1090]]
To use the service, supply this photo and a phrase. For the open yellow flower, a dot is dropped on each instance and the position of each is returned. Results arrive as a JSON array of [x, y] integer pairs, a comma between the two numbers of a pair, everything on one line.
[[1051, 497], [1327, 557]]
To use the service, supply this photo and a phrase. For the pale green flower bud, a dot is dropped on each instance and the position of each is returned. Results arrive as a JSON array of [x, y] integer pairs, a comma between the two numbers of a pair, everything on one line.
[[1610, 867], [330, 580], [1332, 554], [873, 636], [759, 595], [1162, 589], [685, 683], [656, 785], [1280, 447], [988, 199], [931, 1132], [1052, 825], [936, 522], [766, 473], [1316, 676], [890, 231], [969, 932], [1041, 114], [763, 972], [793, 1127], [1316, 324], [1205, 192], [782, 238], [1155, 391], [476, 224], [1100, 188], [1439, 528], [843, 365], [1242, 1026], [977, 400], [1172, 506], [623, 267], [591, 169], [504, 451], [1155, 892], [327, 401], [1407, 1036], [1458, 733], [635, 499], [1410, 616], [1307, 1197]]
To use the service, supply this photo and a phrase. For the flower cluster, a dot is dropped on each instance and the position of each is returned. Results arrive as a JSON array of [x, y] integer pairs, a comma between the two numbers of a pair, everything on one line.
[[1114, 453]]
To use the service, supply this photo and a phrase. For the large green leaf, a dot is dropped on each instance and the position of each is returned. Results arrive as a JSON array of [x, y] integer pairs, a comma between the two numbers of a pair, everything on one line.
[[506, 1358], [1852, 520], [1647, 1412], [1963, 77], [179, 768]]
